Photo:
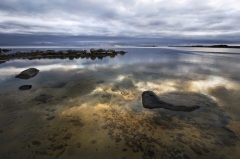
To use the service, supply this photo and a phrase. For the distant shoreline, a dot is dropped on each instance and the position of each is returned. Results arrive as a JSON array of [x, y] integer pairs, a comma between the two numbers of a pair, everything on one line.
[[210, 46]]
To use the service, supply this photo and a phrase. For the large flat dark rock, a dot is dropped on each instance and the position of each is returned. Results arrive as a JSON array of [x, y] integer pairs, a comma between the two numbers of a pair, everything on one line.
[[150, 100]]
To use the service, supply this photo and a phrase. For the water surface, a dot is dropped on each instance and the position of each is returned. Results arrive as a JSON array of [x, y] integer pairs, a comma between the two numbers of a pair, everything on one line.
[[85, 108]]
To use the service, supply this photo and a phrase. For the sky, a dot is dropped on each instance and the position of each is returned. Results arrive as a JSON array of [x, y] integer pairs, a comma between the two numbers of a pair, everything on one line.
[[211, 19]]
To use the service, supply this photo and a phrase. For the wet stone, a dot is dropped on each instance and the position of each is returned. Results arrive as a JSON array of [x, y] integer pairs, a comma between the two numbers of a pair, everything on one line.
[[25, 87]]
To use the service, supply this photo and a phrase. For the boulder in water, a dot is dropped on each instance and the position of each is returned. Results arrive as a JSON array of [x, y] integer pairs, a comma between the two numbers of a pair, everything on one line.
[[29, 73], [25, 87], [150, 100]]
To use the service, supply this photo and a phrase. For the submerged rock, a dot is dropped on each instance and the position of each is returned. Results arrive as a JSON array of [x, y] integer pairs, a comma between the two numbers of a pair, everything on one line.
[[25, 87], [29, 73], [150, 100]]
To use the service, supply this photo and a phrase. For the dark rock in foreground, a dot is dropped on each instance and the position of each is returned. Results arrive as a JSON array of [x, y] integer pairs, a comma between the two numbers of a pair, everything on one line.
[[25, 87], [150, 100], [29, 73]]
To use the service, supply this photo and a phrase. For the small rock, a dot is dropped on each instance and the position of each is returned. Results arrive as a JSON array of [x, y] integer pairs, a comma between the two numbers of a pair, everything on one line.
[[29, 73], [25, 87], [92, 50]]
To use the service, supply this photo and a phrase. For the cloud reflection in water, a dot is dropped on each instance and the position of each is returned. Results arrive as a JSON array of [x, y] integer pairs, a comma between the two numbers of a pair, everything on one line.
[[97, 107]]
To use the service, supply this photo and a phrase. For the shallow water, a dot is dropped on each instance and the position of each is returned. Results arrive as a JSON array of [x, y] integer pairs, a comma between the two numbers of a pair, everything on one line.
[[85, 108]]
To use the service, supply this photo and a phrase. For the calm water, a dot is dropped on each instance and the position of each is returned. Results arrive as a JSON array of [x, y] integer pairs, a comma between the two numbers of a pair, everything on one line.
[[85, 108]]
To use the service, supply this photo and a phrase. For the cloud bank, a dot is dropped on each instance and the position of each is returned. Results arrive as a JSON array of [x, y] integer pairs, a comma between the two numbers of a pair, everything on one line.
[[139, 18]]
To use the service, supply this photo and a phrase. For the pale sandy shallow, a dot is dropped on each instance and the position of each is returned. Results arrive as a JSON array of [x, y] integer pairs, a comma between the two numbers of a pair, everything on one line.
[[96, 112]]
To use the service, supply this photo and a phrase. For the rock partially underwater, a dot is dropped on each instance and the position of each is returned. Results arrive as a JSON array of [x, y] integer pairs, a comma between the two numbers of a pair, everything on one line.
[[150, 100], [25, 87], [29, 73]]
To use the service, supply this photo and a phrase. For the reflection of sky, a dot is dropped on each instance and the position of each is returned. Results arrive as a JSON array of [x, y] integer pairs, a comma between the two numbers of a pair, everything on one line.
[[156, 59], [158, 69], [83, 87], [210, 50]]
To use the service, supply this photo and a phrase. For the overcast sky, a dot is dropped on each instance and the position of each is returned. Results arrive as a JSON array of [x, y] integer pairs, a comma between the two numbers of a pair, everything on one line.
[[142, 18]]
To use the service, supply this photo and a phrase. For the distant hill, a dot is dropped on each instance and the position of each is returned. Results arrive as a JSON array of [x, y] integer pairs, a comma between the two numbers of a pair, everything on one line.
[[211, 46]]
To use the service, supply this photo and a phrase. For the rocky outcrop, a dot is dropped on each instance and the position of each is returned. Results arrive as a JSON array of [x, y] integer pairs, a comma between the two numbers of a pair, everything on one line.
[[4, 50], [61, 54], [29, 73], [150, 100]]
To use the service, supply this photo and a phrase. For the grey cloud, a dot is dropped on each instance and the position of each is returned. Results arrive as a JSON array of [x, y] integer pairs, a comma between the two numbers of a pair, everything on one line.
[[141, 18]]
